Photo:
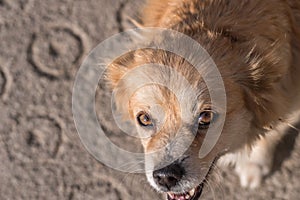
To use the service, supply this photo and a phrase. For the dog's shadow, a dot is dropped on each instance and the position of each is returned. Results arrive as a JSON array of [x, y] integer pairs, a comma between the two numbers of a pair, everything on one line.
[[285, 147]]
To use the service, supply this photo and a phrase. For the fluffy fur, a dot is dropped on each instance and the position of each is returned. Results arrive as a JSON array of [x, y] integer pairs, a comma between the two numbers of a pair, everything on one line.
[[256, 47]]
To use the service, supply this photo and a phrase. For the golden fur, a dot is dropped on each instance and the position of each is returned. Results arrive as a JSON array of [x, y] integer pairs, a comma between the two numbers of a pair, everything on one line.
[[256, 47]]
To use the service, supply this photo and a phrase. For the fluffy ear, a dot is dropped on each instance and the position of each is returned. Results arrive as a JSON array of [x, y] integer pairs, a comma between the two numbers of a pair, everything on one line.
[[266, 56], [154, 11], [264, 94], [125, 63], [113, 76], [116, 70], [122, 65], [123, 83]]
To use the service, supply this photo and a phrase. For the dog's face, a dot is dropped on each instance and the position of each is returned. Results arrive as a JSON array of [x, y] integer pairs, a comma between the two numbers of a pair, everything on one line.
[[173, 119], [174, 132]]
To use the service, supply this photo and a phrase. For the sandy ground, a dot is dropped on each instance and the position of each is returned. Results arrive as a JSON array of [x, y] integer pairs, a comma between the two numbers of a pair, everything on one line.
[[42, 45]]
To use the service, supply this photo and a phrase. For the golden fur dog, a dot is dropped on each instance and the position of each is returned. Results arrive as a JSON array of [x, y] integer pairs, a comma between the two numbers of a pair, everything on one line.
[[256, 47]]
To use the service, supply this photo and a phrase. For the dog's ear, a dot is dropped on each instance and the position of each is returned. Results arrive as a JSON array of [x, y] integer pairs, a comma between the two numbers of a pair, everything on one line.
[[114, 74], [117, 69], [122, 65], [263, 93], [123, 83], [266, 56]]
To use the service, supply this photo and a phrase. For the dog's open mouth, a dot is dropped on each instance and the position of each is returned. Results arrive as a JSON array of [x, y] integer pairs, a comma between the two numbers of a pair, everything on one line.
[[193, 194]]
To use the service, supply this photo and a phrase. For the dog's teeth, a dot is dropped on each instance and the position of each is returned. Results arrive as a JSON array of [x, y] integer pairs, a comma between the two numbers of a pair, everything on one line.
[[171, 195], [192, 192]]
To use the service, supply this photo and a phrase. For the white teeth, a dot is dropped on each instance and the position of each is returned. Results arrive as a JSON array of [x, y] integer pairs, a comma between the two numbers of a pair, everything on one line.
[[185, 196], [192, 192], [171, 195]]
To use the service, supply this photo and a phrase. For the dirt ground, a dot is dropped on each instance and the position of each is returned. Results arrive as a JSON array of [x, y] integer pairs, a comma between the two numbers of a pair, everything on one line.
[[42, 45]]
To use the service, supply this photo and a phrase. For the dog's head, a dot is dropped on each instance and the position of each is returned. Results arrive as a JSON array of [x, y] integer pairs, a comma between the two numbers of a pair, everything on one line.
[[170, 104]]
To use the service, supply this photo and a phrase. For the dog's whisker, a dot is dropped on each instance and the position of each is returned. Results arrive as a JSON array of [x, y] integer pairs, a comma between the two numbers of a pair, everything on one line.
[[131, 165], [290, 125], [131, 174], [216, 181]]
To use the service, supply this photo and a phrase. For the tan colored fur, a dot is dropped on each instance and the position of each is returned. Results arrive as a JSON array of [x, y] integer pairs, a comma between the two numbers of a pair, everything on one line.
[[256, 47]]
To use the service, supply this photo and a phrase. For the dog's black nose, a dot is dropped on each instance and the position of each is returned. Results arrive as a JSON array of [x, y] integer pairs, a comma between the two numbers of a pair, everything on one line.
[[168, 176]]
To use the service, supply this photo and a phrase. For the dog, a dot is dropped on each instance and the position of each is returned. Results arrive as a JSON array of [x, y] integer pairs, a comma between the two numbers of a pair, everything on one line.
[[256, 47]]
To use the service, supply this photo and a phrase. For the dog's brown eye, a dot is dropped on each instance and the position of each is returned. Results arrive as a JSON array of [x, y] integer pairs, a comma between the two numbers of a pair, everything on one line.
[[144, 119], [205, 119]]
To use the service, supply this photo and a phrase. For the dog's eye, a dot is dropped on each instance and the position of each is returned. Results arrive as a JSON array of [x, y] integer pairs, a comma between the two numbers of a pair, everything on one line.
[[205, 119], [144, 119]]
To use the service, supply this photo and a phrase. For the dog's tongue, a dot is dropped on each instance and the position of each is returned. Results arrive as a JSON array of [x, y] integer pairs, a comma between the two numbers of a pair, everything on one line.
[[179, 197]]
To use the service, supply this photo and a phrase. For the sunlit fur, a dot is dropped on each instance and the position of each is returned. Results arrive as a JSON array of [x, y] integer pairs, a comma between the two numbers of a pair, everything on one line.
[[256, 47]]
